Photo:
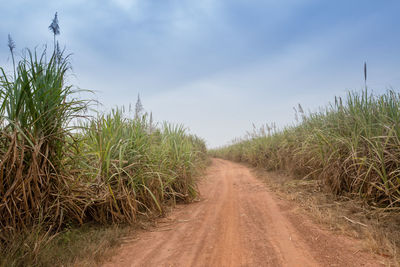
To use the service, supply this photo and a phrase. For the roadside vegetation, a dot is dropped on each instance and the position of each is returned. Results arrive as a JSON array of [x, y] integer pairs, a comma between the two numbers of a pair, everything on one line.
[[62, 170], [351, 148]]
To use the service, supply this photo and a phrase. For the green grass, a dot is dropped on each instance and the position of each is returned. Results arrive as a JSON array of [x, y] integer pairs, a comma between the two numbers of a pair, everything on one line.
[[352, 145]]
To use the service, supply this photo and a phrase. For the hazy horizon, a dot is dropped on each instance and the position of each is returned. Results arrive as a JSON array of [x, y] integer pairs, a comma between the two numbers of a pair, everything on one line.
[[216, 66]]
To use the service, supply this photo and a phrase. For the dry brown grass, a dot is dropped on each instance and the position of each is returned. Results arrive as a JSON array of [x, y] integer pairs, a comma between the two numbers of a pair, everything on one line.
[[84, 246]]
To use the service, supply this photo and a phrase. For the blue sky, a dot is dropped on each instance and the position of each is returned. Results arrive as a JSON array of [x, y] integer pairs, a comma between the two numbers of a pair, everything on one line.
[[217, 66]]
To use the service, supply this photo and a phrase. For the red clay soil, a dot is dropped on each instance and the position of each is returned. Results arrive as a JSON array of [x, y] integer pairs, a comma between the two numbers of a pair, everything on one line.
[[239, 222]]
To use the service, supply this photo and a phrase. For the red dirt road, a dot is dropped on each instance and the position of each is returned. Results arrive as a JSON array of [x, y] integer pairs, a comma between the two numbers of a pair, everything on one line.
[[239, 222]]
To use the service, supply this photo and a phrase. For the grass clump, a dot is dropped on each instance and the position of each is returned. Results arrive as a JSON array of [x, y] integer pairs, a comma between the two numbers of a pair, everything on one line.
[[36, 109]]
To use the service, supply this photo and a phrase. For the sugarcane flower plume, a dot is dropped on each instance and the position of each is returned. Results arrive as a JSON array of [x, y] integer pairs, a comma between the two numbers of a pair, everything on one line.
[[54, 27], [11, 43]]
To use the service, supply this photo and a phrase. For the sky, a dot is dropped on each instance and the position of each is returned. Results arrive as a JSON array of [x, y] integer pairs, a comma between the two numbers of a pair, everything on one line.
[[218, 67]]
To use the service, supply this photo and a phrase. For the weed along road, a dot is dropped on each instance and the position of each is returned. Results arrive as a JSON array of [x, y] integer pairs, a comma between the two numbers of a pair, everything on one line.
[[239, 222]]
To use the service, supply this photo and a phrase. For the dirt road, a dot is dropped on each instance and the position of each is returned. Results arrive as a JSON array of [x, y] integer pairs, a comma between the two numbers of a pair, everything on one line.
[[239, 222]]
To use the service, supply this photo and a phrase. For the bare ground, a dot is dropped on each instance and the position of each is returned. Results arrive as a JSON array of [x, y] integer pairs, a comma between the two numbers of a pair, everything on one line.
[[238, 221]]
